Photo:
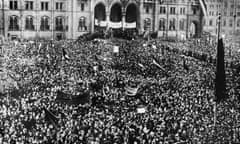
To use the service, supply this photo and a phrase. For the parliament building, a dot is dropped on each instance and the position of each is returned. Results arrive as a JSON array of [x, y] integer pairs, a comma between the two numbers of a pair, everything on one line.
[[68, 19]]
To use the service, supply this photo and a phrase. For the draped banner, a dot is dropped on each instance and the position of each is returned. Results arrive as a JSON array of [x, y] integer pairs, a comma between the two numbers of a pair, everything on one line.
[[130, 25], [115, 25], [100, 23]]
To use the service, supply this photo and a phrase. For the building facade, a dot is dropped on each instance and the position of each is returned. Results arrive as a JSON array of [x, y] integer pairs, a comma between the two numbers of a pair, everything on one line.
[[230, 20], [230, 17], [60, 19]]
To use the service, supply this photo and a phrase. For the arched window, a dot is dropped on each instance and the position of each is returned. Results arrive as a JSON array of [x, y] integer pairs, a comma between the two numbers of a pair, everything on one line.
[[13, 23], [162, 24], [82, 24], [147, 23], [172, 24], [29, 23], [182, 24], [44, 24], [59, 23]]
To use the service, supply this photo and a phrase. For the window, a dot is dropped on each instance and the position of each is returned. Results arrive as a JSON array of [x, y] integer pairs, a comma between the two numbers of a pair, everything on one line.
[[29, 5], [29, 23], [231, 13], [210, 22], [238, 13], [194, 9], [162, 24], [162, 10], [59, 23], [172, 24], [13, 23], [172, 10], [147, 9], [225, 4], [147, 23], [13, 4], [225, 13], [230, 23], [182, 24], [59, 6], [82, 6], [238, 23], [44, 6], [224, 23], [182, 11], [82, 24], [44, 24]]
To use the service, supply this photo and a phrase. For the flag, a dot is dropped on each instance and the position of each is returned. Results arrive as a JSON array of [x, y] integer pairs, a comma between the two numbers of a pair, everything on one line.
[[49, 116], [141, 65], [130, 91], [157, 64], [17, 93], [185, 66], [204, 7], [220, 81], [65, 56], [72, 99]]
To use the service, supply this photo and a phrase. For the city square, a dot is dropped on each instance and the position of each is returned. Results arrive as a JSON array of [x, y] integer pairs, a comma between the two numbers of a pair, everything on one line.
[[119, 72]]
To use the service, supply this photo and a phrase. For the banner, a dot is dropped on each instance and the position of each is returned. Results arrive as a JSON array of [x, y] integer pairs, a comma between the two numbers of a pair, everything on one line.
[[115, 25], [141, 110], [103, 23], [100, 23], [115, 49], [130, 25]]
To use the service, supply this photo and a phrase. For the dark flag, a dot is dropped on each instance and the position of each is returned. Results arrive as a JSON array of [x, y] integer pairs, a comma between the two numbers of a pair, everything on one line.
[[49, 116], [64, 53], [185, 66], [17, 93], [30, 124], [220, 81], [72, 99]]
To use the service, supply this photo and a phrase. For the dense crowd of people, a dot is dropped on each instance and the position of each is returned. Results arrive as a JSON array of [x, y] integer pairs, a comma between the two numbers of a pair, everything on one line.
[[173, 103]]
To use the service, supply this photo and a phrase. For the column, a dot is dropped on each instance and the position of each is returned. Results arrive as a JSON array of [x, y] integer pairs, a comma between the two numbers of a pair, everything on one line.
[[92, 19], [38, 20], [107, 19], [21, 20], [123, 17]]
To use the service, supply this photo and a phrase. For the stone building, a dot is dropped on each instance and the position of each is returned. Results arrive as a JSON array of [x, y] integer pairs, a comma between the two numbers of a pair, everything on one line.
[[230, 16], [60, 19]]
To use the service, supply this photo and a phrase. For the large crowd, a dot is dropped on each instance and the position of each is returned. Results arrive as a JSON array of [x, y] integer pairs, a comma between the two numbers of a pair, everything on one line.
[[175, 90]]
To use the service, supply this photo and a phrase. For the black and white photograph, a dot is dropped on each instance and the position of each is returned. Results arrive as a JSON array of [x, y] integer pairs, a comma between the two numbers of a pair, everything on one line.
[[119, 71]]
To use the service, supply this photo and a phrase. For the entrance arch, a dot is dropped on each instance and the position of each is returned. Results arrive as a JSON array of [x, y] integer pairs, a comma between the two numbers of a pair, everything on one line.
[[116, 13], [193, 29], [100, 12], [131, 13]]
